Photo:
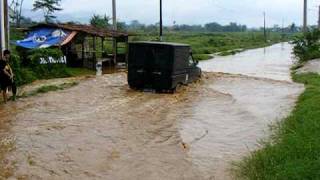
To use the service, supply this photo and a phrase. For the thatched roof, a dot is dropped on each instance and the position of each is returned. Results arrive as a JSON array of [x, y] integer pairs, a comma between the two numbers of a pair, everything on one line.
[[100, 32]]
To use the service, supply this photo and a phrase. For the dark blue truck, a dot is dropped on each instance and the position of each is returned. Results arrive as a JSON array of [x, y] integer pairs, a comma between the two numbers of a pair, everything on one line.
[[161, 66]]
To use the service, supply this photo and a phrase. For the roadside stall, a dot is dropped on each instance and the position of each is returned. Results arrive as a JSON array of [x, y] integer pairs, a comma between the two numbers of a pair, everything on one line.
[[82, 45]]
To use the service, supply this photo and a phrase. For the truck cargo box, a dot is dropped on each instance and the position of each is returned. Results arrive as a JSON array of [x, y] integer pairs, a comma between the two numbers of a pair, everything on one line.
[[160, 66]]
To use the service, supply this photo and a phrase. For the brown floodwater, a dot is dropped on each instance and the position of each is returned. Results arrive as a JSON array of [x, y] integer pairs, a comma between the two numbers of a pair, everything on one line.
[[101, 129], [272, 62]]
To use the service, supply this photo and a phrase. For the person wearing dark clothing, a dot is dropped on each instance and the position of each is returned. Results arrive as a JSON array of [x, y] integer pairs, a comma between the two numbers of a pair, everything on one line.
[[7, 76]]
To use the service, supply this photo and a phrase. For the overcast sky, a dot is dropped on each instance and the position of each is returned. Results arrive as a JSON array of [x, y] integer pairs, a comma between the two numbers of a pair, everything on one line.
[[249, 12]]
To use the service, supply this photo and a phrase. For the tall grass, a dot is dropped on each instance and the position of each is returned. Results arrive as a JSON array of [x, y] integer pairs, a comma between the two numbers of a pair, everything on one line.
[[204, 44]]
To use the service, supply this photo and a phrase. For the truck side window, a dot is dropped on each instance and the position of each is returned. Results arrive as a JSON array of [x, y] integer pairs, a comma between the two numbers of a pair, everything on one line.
[[191, 61]]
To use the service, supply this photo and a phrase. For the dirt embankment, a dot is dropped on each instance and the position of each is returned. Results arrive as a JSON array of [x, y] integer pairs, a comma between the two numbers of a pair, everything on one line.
[[101, 129], [312, 66]]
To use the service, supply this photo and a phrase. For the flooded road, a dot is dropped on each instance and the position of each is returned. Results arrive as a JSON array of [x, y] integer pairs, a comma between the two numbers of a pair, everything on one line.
[[101, 129], [273, 62]]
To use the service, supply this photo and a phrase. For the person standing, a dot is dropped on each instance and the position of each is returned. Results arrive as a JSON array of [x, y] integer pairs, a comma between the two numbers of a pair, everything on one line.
[[7, 76]]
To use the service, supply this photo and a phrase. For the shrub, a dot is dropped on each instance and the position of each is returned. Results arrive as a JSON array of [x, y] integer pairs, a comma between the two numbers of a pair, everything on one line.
[[48, 69], [307, 46], [201, 57], [22, 75], [25, 76]]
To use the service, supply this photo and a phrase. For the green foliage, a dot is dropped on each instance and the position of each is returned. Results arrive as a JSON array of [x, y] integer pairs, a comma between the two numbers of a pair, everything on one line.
[[49, 88], [100, 21], [16, 35], [210, 43], [48, 70], [135, 26], [307, 46], [15, 12], [80, 72], [230, 52], [121, 26], [45, 89], [201, 57], [232, 27], [25, 75], [22, 75], [48, 7], [293, 152]]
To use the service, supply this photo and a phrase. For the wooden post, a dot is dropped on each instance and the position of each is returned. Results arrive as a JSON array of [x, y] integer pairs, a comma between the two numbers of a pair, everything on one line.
[[115, 47], [102, 44], [94, 52], [82, 49], [114, 17], [127, 50]]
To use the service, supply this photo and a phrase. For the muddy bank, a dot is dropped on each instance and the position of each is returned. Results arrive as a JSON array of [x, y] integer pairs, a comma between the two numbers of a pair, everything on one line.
[[312, 66], [101, 129]]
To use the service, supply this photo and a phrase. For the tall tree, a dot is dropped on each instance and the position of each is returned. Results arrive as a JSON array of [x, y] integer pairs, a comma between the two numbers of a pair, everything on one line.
[[100, 21], [293, 28], [16, 12], [214, 27], [48, 7]]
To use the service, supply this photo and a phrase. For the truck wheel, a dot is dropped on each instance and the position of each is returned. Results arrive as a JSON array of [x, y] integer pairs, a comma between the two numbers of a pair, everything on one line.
[[177, 88]]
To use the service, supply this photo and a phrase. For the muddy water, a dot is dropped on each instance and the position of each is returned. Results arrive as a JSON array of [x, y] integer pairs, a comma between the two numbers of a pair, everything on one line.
[[101, 129], [272, 62]]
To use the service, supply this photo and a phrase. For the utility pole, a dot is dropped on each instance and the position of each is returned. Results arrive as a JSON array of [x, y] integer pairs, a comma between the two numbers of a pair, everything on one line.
[[7, 24], [282, 26], [161, 32], [114, 19], [114, 14], [264, 27], [4, 25], [305, 16], [319, 19]]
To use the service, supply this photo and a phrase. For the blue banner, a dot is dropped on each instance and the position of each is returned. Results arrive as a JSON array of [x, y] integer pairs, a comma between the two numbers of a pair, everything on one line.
[[43, 38]]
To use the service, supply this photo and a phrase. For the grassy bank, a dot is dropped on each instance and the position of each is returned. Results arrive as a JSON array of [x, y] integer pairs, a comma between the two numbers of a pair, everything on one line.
[[293, 153], [28, 75], [48, 88], [204, 44]]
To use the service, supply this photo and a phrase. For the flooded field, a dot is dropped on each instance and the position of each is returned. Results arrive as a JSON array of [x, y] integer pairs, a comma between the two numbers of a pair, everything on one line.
[[101, 129]]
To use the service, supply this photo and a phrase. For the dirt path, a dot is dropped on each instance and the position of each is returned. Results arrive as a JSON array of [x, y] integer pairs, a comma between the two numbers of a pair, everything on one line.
[[101, 129]]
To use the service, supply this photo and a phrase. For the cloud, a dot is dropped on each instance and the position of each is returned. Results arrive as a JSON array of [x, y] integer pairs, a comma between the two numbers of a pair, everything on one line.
[[188, 11]]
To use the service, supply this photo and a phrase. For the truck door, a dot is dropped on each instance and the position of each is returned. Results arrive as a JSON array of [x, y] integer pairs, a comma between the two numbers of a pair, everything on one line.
[[193, 71]]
